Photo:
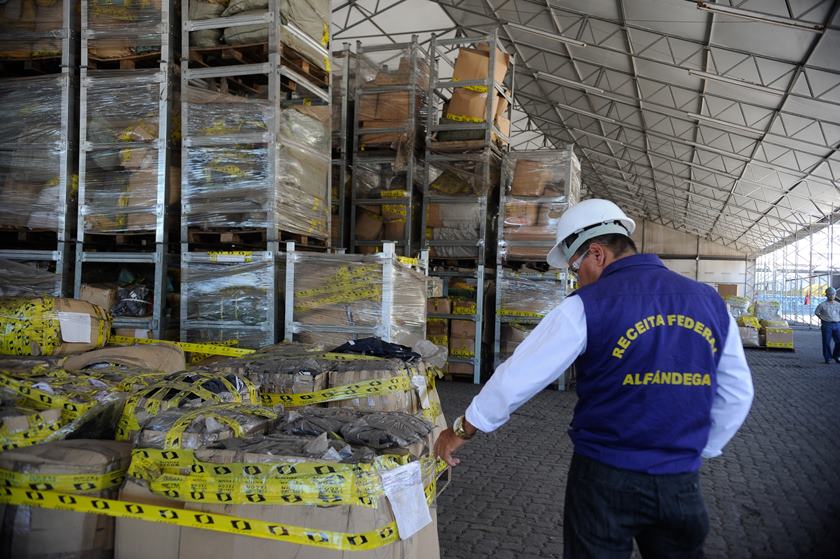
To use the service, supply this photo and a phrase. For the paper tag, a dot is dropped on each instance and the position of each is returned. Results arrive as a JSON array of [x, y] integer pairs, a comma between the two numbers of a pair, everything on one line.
[[419, 382], [75, 327], [404, 489], [141, 333]]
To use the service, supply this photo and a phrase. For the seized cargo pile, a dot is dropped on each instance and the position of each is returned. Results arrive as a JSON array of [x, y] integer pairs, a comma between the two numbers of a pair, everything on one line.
[[760, 324], [289, 450]]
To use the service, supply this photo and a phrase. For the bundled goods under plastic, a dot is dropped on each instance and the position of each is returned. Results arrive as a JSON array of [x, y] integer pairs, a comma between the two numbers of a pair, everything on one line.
[[31, 29], [51, 326], [394, 110], [123, 174], [31, 152], [127, 29], [513, 334], [229, 301], [342, 297], [94, 468], [530, 225], [27, 279], [528, 298], [304, 25], [232, 186], [385, 181]]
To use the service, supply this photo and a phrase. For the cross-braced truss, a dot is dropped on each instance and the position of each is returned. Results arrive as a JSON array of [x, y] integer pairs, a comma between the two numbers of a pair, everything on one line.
[[719, 119]]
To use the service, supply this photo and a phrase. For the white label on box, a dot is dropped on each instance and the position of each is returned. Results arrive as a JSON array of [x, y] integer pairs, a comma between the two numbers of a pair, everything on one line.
[[141, 333], [419, 382], [404, 489], [75, 327]]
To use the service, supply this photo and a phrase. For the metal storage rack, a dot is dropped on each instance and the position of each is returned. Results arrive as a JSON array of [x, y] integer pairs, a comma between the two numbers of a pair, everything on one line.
[[54, 75], [268, 77], [374, 168], [384, 286], [538, 286], [476, 162], [122, 52]]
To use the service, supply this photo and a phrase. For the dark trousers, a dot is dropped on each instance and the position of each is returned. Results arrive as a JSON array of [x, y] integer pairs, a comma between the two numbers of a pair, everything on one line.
[[830, 331], [607, 508]]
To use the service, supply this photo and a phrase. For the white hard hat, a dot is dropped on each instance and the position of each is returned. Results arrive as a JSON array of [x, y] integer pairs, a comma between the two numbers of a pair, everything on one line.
[[588, 219]]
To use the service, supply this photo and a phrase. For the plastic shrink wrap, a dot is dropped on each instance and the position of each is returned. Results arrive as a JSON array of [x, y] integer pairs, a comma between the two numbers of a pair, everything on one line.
[[26, 279], [240, 185], [528, 298], [127, 28], [342, 297], [31, 149], [32, 30]]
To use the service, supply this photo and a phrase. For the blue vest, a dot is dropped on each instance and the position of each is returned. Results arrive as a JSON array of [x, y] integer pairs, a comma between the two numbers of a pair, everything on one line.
[[647, 378]]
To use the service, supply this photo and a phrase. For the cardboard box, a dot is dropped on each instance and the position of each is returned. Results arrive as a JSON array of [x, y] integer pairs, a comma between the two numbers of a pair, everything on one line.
[[382, 138], [503, 124], [462, 347], [134, 333], [393, 106], [138, 539], [368, 225], [157, 357], [439, 305], [103, 296], [781, 338], [31, 532], [519, 212], [462, 329], [470, 106], [366, 106], [530, 178], [474, 64], [394, 231], [550, 214], [437, 326], [405, 402], [463, 306], [461, 369], [531, 233]]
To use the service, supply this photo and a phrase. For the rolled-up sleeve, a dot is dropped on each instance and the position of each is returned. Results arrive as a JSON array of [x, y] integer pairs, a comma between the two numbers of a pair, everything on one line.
[[537, 362], [734, 394]]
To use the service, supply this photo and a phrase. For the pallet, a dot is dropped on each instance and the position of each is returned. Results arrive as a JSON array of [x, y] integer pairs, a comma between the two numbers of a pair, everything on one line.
[[142, 240], [765, 348], [21, 238], [216, 239], [460, 146], [257, 53], [145, 60], [30, 66]]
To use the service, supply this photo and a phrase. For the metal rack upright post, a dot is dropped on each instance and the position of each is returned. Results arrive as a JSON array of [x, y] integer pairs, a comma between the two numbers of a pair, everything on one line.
[[387, 143], [467, 151], [251, 179], [526, 232], [39, 104], [125, 139]]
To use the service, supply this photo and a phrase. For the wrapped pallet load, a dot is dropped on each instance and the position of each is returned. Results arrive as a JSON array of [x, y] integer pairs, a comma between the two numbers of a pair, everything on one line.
[[342, 297], [229, 187], [30, 157], [30, 532], [132, 20], [326, 477], [51, 326]]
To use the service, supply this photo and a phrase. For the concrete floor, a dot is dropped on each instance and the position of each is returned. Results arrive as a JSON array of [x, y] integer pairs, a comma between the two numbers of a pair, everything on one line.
[[775, 492]]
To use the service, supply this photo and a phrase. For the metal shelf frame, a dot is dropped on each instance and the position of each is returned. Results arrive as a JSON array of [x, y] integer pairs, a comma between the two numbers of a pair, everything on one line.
[[158, 257], [62, 254], [484, 159], [407, 244], [560, 276]]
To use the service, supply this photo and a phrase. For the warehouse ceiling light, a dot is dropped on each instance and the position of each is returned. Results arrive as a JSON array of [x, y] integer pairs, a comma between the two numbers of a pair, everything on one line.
[[570, 83], [758, 16], [735, 81], [713, 121], [546, 34]]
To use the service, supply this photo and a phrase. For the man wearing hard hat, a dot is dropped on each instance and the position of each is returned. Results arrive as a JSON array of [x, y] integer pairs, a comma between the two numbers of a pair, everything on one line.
[[829, 314], [662, 382]]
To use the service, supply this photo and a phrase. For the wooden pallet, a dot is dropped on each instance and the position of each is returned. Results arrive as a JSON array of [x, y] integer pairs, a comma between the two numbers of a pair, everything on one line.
[[141, 240], [249, 238], [257, 53], [459, 146], [30, 66], [145, 60]]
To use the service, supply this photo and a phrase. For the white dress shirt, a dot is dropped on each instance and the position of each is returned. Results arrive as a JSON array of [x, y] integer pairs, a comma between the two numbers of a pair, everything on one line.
[[561, 337]]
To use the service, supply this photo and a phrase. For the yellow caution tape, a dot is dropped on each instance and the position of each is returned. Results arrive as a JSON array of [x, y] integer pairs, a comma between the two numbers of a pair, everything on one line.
[[62, 482], [323, 539], [463, 353], [516, 312], [209, 349], [375, 387], [242, 256], [476, 88], [462, 118], [39, 429], [42, 399], [175, 433], [464, 308], [408, 261], [439, 340], [30, 324]]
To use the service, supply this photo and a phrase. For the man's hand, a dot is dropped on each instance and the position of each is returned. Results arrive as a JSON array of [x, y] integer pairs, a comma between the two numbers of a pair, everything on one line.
[[447, 444]]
